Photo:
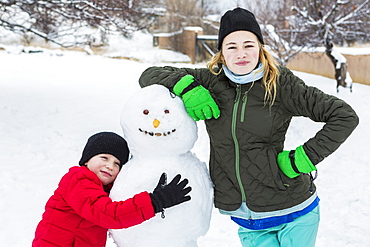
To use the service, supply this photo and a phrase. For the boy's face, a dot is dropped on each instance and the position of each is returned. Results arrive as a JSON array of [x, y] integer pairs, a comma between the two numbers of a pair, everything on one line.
[[105, 166]]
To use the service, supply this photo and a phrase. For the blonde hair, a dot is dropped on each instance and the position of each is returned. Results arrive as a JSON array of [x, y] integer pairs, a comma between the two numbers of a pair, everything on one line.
[[269, 64]]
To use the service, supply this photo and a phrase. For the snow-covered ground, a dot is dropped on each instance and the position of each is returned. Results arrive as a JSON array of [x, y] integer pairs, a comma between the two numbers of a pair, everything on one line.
[[51, 102]]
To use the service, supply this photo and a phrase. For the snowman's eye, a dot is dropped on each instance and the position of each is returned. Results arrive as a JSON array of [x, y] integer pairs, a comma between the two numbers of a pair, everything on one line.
[[166, 111], [146, 112]]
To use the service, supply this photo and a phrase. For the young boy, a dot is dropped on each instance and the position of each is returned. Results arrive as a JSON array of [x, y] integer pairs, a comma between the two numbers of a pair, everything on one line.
[[80, 211]]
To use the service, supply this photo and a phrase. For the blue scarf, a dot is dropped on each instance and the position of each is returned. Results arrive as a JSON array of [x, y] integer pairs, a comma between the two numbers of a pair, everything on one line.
[[254, 75]]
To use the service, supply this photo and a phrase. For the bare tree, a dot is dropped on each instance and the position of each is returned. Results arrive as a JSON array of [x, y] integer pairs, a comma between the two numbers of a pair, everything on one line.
[[327, 22], [53, 20], [182, 13]]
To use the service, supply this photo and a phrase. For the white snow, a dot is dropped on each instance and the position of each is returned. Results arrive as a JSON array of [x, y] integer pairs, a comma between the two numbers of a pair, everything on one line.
[[195, 29], [140, 47], [51, 102], [339, 57], [343, 50], [348, 78]]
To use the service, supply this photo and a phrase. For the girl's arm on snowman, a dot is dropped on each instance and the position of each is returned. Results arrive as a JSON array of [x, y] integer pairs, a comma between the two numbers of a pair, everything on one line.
[[168, 76], [86, 196]]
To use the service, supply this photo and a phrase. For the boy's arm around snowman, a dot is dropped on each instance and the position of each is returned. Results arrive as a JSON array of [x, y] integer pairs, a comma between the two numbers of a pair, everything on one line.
[[86, 197]]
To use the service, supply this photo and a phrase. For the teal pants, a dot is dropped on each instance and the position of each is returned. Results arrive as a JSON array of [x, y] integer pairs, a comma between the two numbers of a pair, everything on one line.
[[301, 232]]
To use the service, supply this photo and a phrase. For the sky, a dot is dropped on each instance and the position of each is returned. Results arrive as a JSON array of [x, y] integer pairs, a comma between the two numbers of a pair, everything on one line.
[[51, 102]]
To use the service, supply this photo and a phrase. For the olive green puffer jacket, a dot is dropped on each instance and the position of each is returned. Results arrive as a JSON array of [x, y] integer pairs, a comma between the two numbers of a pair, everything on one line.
[[246, 139]]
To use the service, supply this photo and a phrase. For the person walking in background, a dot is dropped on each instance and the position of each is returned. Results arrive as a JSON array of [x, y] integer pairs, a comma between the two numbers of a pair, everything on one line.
[[247, 101]]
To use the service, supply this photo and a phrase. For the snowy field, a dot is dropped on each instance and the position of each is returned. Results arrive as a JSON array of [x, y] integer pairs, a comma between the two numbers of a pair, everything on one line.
[[51, 102]]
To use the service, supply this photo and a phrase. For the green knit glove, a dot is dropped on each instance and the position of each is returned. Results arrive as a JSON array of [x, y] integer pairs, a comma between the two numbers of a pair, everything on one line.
[[197, 100], [294, 162]]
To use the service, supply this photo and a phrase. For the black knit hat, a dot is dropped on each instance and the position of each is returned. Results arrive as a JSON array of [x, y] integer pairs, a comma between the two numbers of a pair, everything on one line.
[[238, 19], [105, 143]]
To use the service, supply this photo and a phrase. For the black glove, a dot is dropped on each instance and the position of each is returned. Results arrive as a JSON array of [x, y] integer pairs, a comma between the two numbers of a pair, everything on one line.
[[168, 195]]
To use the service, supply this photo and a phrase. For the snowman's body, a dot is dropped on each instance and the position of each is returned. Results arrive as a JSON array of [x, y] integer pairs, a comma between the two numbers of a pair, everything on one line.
[[160, 135]]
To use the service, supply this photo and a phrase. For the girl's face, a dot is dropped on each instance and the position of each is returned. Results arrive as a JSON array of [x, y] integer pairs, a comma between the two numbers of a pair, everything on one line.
[[240, 50], [105, 166]]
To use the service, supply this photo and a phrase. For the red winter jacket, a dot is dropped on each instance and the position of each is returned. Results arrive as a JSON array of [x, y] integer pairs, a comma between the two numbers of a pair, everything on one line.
[[80, 212]]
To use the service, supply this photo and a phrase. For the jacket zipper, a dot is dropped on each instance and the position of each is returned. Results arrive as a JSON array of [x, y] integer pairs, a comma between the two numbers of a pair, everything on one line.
[[244, 100], [236, 143]]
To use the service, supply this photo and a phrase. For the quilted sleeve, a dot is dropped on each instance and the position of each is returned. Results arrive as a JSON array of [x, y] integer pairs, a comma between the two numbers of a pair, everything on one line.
[[339, 117], [168, 76], [87, 197]]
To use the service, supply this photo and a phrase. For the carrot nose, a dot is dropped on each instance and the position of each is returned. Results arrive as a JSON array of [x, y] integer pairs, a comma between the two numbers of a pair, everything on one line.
[[156, 123]]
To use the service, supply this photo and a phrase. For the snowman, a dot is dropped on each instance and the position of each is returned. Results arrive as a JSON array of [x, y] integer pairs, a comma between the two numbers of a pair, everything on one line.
[[160, 135]]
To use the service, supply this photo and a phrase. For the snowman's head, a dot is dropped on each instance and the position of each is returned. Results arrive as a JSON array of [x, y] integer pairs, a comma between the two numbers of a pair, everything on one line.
[[155, 122]]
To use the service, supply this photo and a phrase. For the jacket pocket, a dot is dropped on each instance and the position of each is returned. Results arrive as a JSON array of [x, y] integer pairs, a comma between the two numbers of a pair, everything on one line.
[[277, 174]]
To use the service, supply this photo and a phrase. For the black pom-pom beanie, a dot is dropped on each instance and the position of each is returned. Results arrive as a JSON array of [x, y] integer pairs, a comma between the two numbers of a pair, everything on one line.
[[238, 19], [105, 143]]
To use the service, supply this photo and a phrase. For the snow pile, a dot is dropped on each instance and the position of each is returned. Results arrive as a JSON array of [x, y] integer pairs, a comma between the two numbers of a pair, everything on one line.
[[137, 48], [143, 50]]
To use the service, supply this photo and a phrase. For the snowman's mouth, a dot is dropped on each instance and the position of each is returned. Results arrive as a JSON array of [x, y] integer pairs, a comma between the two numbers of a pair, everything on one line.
[[151, 133]]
